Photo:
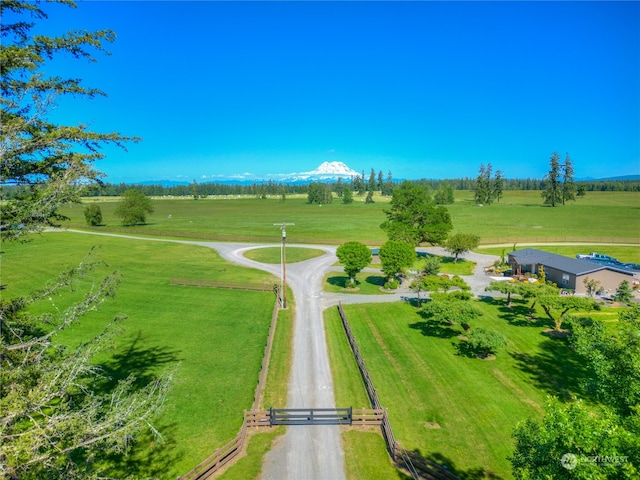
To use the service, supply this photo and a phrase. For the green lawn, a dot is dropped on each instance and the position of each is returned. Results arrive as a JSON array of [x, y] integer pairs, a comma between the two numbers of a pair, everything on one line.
[[453, 409], [274, 254], [366, 283], [520, 216], [215, 337]]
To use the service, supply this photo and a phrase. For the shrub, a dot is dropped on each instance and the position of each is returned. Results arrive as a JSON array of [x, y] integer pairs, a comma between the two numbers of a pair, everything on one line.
[[485, 342], [392, 284], [93, 215]]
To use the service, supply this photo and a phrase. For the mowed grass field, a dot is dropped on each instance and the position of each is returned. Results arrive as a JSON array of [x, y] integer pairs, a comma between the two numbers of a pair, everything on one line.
[[215, 337], [519, 217], [455, 410]]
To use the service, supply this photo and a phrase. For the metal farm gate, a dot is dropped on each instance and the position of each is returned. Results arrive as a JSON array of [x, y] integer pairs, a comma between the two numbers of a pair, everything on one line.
[[311, 416]]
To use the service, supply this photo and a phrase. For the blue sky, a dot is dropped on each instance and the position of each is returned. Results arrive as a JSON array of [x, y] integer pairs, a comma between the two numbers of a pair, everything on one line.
[[421, 89]]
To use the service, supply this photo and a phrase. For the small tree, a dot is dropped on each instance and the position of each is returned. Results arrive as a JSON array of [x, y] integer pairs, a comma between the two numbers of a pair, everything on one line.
[[134, 208], [461, 243], [485, 342], [396, 256], [450, 308], [347, 195], [369, 198], [93, 215], [431, 265], [354, 256], [557, 306], [507, 288], [624, 294], [592, 285]]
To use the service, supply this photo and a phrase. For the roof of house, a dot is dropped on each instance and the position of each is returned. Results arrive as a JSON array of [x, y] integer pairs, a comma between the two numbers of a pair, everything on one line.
[[531, 256]]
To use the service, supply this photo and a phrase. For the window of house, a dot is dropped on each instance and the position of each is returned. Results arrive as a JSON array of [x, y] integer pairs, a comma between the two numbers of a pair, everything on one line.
[[565, 279]]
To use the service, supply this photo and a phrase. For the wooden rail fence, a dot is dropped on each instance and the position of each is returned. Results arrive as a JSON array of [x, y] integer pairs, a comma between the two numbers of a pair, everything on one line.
[[277, 416], [205, 282], [417, 466]]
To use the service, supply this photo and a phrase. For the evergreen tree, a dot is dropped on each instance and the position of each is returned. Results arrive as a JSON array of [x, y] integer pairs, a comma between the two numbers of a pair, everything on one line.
[[568, 184], [56, 421], [380, 181], [339, 187], [51, 160], [369, 198], [371, 186], [498, 183], [387, 186], [552, 194], [483, 189], [347, 195]]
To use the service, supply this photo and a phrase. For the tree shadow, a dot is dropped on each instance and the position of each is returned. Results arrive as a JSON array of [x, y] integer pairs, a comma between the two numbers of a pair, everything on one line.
[[376, 280], [555, 368], [142, 361], [148, 457], [464, 349], [434, 459], [435, 329], [518, 314], [341, 281]]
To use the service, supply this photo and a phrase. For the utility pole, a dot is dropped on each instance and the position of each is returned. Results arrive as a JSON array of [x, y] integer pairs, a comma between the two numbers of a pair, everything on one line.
[[283, 262]]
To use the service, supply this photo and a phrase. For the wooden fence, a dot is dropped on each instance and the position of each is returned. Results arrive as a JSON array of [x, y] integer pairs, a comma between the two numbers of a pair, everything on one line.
[[205, 282], [417, 466], [263, 418], [254, 418]]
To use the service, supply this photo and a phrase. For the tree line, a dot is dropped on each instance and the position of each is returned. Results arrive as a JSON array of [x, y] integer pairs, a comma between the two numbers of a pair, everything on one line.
[[271, 188]]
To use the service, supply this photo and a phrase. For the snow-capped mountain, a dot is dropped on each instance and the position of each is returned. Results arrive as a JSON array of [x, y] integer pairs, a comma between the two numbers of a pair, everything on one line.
[[325, 171], [337, 169]]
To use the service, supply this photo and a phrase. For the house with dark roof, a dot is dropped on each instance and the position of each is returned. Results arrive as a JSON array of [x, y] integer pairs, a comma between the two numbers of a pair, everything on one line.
[[567, 272]]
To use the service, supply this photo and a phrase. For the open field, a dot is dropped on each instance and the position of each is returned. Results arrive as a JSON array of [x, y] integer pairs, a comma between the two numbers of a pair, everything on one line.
[[519, 217], [215, 337], [456, 410]]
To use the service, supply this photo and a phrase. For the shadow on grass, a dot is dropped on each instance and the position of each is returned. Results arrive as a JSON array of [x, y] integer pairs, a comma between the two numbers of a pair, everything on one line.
[[148, 458], [435, 329], [518, 314], [377, 280], [474, 473], [143, 361], [554, 368]]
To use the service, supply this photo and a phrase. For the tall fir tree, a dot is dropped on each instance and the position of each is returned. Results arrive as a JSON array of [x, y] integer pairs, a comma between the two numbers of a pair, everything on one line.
[[552, 193], [569, 188]]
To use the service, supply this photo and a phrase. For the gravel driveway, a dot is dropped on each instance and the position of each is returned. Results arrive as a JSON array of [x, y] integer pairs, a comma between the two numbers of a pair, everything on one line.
[[315, 452]]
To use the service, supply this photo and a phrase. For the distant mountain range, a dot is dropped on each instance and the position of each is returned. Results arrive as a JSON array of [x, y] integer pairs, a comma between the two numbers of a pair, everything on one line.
[[325, 172]]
